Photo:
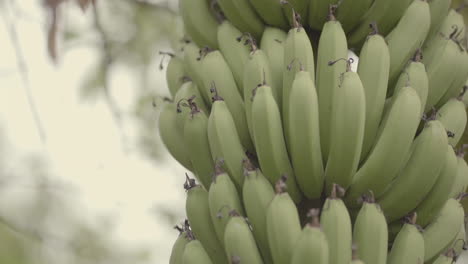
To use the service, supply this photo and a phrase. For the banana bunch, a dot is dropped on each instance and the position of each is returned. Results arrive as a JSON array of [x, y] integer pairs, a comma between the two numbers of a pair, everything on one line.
[[297, 157]]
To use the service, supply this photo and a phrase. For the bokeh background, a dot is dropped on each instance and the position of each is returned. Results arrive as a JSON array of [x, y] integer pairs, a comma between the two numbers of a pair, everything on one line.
[[84, 177]]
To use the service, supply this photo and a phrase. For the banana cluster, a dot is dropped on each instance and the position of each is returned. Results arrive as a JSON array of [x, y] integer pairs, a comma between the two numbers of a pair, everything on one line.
[[300, 159]]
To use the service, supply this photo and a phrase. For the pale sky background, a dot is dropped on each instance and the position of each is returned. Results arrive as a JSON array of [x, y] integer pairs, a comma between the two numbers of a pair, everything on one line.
[[83, 145]]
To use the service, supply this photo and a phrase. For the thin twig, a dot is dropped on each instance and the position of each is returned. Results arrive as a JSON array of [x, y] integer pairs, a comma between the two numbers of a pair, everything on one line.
[[23, 71]]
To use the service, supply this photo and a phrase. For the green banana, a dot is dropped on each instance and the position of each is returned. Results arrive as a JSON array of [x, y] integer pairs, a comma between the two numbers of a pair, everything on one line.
[[198, 214], [188, 94], [350, 13], [198, 146], [305, 153], [336, 224], [224, 141], [271, 12], [393, 142], [200, 22], [319, 12], [349, 115], [194, 253], [272, 44], [257, 193], [172, 136], [178, 248], [446, 258], [296, 11], [256, 73], [459, 245], [453, 115], [440, 71], [420, 173], [461, 178], [443, 230], [312, 244], [298, 54], [331, 64], [217, 76], [440, 193], [415, 76], [459, 80], [408, 36], [283, 225], [239, 241], [439, 11], [222, 198], [242, 15], [175, 73], [452, 21], [192, 67], [269, 140], [234, 50], [373, 69], [370, 233], [380, 14], [408, 246]]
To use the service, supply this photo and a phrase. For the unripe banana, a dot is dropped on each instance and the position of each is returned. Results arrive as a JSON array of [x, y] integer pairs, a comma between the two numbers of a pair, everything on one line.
[[461, 178], [305, 153], [371, 234], [225, 143], [298, 54], [269, 140], [415, 76], [408, 36], [349, 115], [393, 142], [439, 11], [272, 44], [408, 246], [194, 253], [172, 136], [193, 68], [199, 22], [440, 71], [373, 69], [271, 12], [234, 50], [178, 248], [459, 80], [380, 14], [444, 259], [296, 11], [257, 195], [242, 16], [175, 74], [319, 13], [452, 21], [453, 115], [283, 225], [217, 75], [460, 243], [331, 64], [223, 198], [443, 230], [419, 174], [198, 146], [198, 213], [256, 73], [312, 244], [187, 95], [440, 193], [350, 13], [239, 242], [336, 224]]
